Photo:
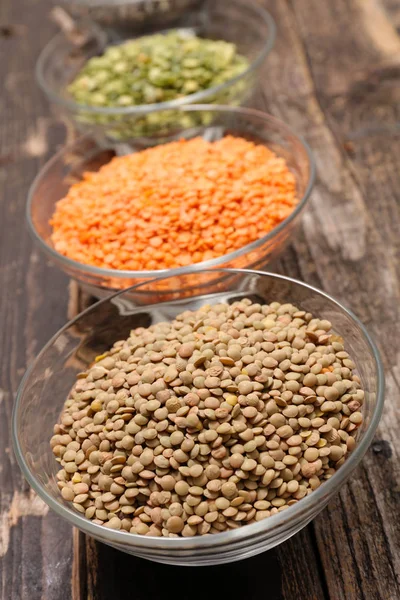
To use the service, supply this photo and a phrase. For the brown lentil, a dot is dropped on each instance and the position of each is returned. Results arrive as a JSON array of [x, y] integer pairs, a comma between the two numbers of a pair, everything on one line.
[[185, 436]]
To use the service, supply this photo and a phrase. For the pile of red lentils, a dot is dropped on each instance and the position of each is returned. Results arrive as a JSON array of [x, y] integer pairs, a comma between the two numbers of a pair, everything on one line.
[[174, 205]]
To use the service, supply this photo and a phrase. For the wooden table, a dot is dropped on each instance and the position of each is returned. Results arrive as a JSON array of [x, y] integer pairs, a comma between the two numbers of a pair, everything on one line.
[[335, 76]]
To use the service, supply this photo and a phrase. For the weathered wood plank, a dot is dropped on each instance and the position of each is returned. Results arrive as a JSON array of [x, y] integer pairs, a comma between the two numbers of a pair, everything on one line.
[[393, 10], [35, 552], [343, 38], [351, 233]]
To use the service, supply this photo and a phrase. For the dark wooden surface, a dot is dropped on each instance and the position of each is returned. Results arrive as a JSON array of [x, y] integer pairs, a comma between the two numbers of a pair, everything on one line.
[[335, 76]]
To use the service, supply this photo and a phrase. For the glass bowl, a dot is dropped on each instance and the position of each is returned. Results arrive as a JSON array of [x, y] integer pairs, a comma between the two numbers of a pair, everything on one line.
[[46, 384], [132, 15], [68, 165], [60, 62]]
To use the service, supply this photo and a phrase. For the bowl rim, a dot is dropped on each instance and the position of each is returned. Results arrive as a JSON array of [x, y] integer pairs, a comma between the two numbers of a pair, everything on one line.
[[265, 526], [103, 3], [214, 262], [142, 109]]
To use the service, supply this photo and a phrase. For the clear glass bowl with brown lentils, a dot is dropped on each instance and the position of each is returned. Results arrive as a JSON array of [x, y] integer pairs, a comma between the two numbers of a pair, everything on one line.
[[204, 428]]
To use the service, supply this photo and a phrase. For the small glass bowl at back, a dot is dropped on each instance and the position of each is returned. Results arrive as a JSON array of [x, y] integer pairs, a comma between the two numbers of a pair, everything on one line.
[[46, 385], [61, 61], [120, 17]]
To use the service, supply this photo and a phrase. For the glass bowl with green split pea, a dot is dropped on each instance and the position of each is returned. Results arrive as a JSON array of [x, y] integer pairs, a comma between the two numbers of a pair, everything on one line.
[[70, 164], [120, 86], [73, 349]]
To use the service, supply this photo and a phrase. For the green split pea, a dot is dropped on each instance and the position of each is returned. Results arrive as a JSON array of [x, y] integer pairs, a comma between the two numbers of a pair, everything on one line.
[[156, 68]]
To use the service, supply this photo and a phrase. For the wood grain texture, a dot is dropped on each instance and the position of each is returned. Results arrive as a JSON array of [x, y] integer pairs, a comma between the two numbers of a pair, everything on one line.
[[35, 548], [351, 232], [334, 76]]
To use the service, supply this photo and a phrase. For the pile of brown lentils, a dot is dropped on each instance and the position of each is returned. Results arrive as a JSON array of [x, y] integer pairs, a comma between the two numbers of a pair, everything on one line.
[[220, 418]]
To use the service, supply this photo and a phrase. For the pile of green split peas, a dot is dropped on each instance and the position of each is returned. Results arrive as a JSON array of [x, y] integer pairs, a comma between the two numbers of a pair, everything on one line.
[[156, 68], [151, 70]]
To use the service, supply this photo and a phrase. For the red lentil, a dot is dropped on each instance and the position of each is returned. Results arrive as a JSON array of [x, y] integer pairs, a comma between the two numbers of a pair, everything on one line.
[[173, 205]]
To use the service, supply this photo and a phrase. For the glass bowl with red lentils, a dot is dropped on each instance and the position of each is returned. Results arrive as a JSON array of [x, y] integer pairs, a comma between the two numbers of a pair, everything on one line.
[[228, 194], [119, 82], [201, 426]]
